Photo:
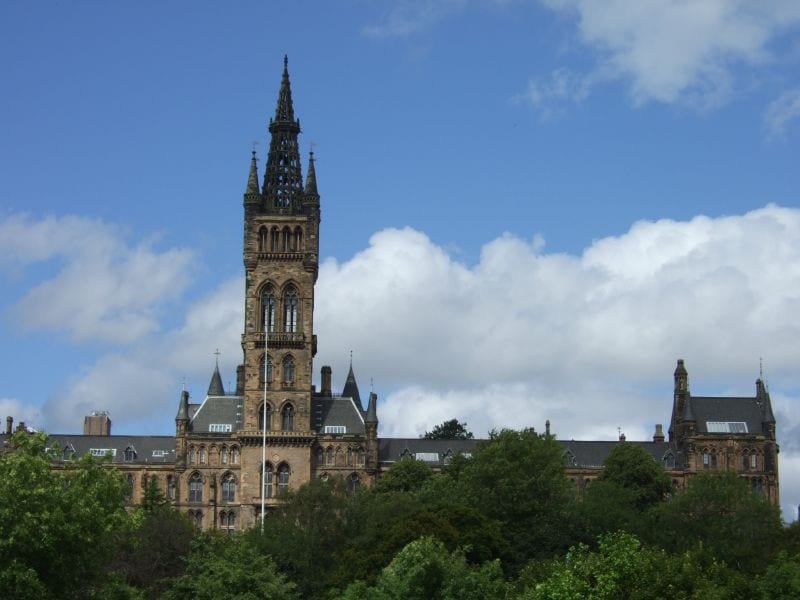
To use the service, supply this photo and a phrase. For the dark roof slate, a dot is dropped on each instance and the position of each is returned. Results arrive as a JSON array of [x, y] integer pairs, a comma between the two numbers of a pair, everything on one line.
[[351, 388], [218, 410], [334, 410], [143, 446], [709, 408]]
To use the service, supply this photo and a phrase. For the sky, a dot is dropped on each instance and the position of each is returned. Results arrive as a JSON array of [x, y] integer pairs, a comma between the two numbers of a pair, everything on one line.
[[530, 208]]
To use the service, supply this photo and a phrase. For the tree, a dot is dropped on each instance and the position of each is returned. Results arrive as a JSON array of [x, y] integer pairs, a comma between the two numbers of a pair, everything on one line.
[[631, 482], [723, 513], [58, 527], [517, 479], [426, 570], [622, 568], [449, 430], [229, 568], [782, 579], [404, 476]]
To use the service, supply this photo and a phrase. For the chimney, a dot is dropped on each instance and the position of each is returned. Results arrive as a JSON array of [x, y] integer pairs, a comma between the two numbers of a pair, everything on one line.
[[98, 423], [240, 380], [658, 436], [621, 437], [326, 381], [21, 426], [547, 427], [9, 425]]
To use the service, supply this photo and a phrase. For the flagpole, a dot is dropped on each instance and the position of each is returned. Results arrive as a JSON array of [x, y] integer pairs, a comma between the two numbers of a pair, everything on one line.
[[264, 416]]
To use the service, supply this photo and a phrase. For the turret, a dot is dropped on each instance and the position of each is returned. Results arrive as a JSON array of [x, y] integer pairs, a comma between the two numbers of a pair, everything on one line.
[[215, 387], [680, 396]]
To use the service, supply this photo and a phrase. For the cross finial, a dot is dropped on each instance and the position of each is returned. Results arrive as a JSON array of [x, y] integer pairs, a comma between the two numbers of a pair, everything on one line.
[[255, 146], [371, 385], [217, 353], [761, 367], [351, 358]]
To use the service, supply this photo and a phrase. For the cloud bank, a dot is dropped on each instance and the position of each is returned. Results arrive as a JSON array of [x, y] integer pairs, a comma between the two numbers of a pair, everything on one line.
[[587, 341]]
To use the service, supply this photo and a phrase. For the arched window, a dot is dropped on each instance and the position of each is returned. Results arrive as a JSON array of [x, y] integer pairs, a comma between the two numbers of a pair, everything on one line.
[[290, 309], [288, 370], [195, 488], [170, 487], [298, 239], [263, 239], [229, 488], [202, 455], [329, 456], [569, 458], [287, 417], [339, 457], [286, 239], [283, 480], [129, 479], [669, 460], [268, 309], [227, 520], [274, 235], [197, 518], [320, 455], [350, 457], [261, 373], [361, 457], [192, 455], [235, 455], [223, 455], [68, 453], [130, 454], [267, 481], [353, 482], [262, 418], [706, 458]]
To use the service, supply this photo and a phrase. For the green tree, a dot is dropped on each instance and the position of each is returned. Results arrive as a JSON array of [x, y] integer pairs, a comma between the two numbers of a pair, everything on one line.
[[229, 568], [631, 482], [58, 527], [782, 579], [721, 512], [517, 479], [449, 430], [622, 568], [404, 476], [426, 570]]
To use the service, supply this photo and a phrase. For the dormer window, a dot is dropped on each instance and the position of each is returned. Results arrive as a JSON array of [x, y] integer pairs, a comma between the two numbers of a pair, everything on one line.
[[130, 454]]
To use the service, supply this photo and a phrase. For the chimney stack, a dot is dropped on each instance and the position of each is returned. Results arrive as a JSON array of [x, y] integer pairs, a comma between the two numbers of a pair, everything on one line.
[[9, 425], [98, 423], [326, 381], [658, 436]]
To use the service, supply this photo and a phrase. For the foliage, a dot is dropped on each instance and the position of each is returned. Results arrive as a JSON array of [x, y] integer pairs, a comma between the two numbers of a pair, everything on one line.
[[624, 569], [721, 512], [517, 479], [404, 476], [632, 468], [229, 568], [449, 430], [154, 550], [58, 526], [782, 579], [425, 570]]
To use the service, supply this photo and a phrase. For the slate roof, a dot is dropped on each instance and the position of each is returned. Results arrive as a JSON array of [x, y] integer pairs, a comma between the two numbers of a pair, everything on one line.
[[592, 454], [393, 449], [142, 445], [217, 410], [337, 410], [708, 408]]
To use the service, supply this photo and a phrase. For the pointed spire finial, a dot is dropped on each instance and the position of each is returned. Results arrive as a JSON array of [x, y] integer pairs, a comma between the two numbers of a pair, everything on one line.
[[252, 177], [283, 181], [311, 179], [216, 357]]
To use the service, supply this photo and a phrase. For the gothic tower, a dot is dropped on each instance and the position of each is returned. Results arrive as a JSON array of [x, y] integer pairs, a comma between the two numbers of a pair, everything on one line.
[[281, 248]]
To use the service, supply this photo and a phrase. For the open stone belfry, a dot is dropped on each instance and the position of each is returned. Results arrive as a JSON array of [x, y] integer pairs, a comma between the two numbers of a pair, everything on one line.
[[216, 467]]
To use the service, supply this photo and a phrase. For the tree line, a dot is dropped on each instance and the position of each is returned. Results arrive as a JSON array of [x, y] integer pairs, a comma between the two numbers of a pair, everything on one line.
[[503, 523]]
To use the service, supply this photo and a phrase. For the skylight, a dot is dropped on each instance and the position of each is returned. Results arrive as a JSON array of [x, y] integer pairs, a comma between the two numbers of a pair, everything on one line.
[[726, 427]]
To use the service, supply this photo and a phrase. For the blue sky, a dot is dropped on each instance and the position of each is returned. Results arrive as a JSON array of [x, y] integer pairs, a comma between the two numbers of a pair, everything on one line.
[[529, 207]]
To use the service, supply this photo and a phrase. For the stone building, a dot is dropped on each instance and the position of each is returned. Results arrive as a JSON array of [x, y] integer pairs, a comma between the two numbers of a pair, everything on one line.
[[275, 431]]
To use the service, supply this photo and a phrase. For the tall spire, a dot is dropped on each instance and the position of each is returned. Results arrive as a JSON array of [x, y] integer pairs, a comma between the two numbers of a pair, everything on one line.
[[252, 178], [351, 387], [215, 386], [311, 178], [283, 180]]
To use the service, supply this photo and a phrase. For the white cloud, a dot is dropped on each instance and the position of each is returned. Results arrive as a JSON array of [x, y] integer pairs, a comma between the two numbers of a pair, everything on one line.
[[407, 17], [782, 111], [549, 97], [21, 412], [588, 341], [103, 289], [676, 51]]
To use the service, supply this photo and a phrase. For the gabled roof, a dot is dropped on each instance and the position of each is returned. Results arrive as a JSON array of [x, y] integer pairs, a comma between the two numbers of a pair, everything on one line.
[[337, 411], [592, 454], [144, 447], [218, 410], [732, 409]]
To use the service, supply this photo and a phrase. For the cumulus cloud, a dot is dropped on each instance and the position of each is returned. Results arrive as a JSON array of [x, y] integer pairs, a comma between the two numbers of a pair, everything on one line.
[[103, 288], [587, 341], [550, 96], [674, 51], [781, 112]]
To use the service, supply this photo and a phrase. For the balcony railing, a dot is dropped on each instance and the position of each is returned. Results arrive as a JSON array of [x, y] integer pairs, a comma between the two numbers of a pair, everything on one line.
[[281, 339]]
